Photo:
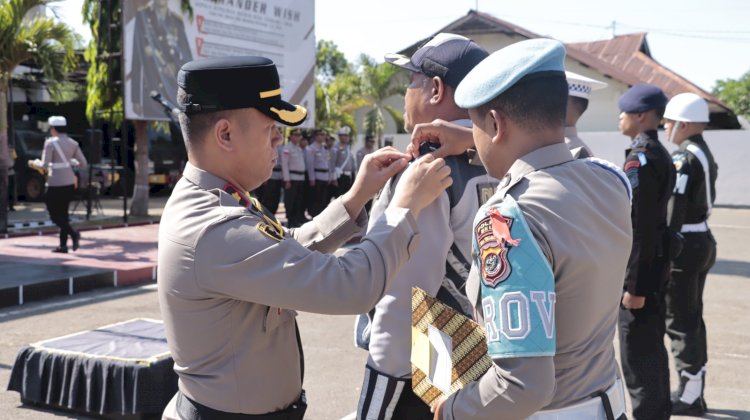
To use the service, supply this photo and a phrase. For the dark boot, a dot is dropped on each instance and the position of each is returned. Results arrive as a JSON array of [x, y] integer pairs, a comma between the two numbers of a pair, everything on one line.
[[76, 238], [61, 250]]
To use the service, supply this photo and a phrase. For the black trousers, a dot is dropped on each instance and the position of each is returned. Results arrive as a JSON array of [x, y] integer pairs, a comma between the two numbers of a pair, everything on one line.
[[345, 184], [685, 324], [271, 195], [320, 197], [645, 363], [57, 200], [411, 407], [293, 202]]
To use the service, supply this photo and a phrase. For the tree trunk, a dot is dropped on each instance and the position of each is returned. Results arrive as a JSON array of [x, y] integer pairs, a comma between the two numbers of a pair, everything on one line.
[[4, 155], [139, 205]]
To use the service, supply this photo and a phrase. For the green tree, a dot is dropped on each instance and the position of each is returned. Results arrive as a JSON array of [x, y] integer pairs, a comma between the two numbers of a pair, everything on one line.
[[329, 61], [337, 88], [736, 94], [104, 86], [380, 82], [27, 37]]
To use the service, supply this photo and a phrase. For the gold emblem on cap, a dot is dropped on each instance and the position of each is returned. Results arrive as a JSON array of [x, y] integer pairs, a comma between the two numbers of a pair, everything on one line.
[[269, 93], [291, 116]]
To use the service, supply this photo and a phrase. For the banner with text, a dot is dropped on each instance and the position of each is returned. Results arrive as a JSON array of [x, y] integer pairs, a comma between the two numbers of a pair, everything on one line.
[[159, 39]]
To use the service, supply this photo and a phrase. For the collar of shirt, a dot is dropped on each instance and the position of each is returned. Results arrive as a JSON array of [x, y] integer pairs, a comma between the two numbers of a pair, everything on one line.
[[201, 178], [543, 157], [696, 139]]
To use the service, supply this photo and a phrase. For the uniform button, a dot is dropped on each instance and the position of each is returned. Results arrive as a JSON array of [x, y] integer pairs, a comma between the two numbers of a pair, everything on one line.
[[505, 181]]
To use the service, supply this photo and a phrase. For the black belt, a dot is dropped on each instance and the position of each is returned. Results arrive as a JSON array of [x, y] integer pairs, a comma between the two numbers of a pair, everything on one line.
[[277, 169], [191, 410], [297, 172], [321, 170]]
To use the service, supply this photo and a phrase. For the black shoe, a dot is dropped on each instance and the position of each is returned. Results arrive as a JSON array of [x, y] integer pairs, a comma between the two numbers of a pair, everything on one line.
[[76, 238], [61, 250], [697, 409]]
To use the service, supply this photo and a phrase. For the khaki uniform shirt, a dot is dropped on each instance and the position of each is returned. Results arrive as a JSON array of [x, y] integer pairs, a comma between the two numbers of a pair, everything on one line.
[[578, 213], [577, 147], [293, 163], [319, 163], [229, 288], [58, 172]]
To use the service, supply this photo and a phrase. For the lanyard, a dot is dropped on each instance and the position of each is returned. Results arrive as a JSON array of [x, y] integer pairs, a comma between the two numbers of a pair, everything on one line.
[[268, 225]]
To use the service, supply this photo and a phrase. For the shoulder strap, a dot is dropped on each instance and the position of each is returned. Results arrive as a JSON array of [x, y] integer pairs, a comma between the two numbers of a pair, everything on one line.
[[56, 144], [698, 152]]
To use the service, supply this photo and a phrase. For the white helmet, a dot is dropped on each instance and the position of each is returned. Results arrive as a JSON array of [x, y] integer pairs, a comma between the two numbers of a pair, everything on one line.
[[687, 107]]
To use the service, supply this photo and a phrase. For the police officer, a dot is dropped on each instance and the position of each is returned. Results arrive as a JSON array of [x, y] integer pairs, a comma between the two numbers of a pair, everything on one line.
[[579, 94], [293, 171], [686, 117], [548, 249], [344, 162], [440, 264], [652, 177], [231, 278], [365, 150], [60, 156], [319, 171]]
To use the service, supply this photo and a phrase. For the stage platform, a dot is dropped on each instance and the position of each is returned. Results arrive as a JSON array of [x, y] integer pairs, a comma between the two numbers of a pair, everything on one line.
[[107, 257]]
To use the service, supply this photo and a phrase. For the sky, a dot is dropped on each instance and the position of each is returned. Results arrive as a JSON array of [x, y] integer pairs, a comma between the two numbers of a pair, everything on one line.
[[701, 40]]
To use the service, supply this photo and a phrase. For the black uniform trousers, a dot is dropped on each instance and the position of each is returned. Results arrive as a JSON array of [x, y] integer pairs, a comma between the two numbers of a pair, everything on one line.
[[57, 200], [685, 324], [293, 202], [320, 197], [345, 184], [271, 195], [645, 363]]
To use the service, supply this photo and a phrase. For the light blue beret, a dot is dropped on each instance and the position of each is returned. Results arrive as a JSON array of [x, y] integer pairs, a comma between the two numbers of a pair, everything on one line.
[[504, 68]]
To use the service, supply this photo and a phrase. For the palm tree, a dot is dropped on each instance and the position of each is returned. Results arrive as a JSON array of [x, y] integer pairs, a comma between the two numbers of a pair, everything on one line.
[[37, 39], [380, 82]]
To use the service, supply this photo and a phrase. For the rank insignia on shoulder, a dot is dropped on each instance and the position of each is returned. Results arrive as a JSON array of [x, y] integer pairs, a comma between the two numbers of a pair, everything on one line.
[[271, 231]]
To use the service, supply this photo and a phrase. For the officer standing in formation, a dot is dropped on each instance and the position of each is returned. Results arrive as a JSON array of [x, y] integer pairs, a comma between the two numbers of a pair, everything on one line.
[[231, 278], [319, 171], [579, 93], [554, 357], [60, 156], [686, 117], [652, 176], [444, 254], [365, 150], [270, 192], [344, 162], [293, 172]]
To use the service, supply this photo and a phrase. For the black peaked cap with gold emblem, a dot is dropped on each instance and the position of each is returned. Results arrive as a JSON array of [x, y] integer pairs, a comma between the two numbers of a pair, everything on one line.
[[215, 84]]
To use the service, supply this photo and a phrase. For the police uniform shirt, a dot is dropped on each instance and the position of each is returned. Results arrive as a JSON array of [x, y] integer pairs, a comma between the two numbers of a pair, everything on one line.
[[362, 152], [277, 175], [293, 163], [445, 222], [319, 165], [577, 147], [58, 172], [649, 168], [570, 222], [694, 191], [230, 281], [344, 160]]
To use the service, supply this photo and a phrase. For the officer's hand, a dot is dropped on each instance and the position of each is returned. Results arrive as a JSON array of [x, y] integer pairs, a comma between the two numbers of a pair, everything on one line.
[[287, 185], [633, 302], [422, 183], [376, 169], [452, 138]]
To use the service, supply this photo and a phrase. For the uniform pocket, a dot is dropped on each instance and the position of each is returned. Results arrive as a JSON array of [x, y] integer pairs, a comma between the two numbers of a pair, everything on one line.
[[276, 317]]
